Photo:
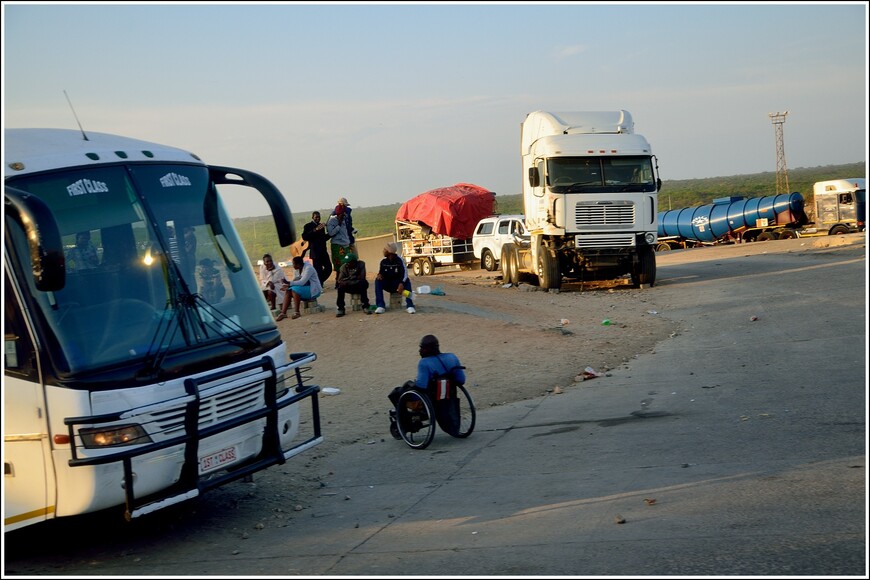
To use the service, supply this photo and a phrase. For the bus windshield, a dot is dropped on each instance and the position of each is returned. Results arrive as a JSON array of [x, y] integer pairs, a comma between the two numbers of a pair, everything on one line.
[[600, 174], [153, 266]]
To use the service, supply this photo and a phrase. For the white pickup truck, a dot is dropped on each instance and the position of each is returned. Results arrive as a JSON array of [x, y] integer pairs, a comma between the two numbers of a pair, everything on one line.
[[492, 233]]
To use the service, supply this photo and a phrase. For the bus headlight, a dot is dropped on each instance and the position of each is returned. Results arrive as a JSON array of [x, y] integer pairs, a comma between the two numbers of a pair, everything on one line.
[[115, 436]]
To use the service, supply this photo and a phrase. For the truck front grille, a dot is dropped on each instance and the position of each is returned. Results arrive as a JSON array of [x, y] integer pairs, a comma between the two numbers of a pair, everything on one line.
[[591, 213]]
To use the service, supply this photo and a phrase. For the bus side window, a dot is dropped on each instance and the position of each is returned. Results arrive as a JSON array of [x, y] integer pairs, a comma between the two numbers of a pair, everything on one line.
[[19, 355]]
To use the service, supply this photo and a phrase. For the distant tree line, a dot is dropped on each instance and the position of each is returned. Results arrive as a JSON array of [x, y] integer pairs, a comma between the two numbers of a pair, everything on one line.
[[259, 236]]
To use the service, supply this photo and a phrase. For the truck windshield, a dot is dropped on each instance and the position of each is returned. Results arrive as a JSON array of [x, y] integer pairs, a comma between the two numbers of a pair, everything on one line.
[[600, 174], [153, 266]]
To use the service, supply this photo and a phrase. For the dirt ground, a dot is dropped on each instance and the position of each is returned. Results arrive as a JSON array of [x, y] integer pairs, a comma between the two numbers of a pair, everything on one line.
[[516, 343]]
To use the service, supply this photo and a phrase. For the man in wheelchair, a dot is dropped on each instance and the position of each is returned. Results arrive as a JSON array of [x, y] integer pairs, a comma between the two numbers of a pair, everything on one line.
[[438, 375]]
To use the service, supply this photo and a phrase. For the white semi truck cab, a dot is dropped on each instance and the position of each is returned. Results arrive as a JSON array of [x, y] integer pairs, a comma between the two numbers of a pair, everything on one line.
[[590, 192]]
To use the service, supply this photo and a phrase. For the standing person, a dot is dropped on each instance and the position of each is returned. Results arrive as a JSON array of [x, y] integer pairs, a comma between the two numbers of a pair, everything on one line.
[[305, 285], [392, 277], [348, 223], [314, 232], [84, 255], [271, 281], [351, 279], [340, 241]]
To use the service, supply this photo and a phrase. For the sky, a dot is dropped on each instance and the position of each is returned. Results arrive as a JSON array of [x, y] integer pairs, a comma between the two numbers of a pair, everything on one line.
[[379, 102]]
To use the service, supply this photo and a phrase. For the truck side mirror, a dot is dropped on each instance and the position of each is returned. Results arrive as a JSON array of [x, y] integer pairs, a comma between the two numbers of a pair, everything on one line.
[[658, 184], [534, 177]]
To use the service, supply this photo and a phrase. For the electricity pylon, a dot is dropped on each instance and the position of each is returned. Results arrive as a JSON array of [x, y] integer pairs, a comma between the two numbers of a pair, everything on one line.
[[781, 170]]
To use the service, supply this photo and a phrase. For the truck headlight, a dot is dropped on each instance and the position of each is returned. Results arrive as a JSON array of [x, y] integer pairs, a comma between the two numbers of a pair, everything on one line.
[[650, 238], [115, 436]]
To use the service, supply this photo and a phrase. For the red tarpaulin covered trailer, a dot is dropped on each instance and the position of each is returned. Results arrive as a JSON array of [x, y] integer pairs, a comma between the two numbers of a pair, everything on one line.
[[450, 211]]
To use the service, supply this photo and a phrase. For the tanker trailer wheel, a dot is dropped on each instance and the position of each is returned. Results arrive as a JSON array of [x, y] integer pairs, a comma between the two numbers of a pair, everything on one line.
[[663, 247], [787, 234], [549, 275], [487, 260], [428, 267], [765, 236], [508, 267], [416, 267], [644, 272]]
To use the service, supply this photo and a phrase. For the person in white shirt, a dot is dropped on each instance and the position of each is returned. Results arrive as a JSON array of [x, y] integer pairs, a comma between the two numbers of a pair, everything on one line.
[[271, 281]]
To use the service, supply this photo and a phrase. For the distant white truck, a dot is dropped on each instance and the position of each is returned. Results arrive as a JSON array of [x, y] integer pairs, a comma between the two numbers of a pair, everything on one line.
[[840, 206], [590, 192]]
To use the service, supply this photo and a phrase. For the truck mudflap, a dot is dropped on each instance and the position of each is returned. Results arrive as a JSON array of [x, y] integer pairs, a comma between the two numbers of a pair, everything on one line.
[[258, 378]]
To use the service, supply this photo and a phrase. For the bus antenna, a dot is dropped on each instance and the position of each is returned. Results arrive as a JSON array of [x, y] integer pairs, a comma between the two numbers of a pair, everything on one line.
[[76, 116]]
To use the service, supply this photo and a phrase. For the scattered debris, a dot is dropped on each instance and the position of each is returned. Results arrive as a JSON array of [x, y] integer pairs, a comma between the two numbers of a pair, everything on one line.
[[590, 373], [649, 501], [330, 391], [753, 318], [620, 519]]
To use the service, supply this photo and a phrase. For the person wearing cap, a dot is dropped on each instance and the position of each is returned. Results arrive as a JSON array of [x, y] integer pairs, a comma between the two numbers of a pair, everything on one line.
[[351, 279], [392, 277], [348, 223], [339, 239], [433, 364], [314, 232]]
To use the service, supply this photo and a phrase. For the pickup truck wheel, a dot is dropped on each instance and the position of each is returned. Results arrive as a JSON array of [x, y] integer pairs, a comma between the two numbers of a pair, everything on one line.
[[428, 267], [487, 260], [549, 275], [416, 267]]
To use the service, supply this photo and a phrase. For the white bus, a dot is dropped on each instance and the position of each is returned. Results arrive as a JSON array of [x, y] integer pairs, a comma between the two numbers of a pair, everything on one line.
[[142, 365]]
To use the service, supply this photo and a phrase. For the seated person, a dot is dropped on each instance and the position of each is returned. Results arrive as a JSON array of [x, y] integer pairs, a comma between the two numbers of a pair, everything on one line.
[[212, 286], [392, 277], [434, 364], [84, 255], [271, 281], [351, 279], [305, 285]]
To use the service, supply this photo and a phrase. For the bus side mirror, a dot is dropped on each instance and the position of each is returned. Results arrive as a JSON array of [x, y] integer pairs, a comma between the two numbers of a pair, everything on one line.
[[534, 177], [43, 236]]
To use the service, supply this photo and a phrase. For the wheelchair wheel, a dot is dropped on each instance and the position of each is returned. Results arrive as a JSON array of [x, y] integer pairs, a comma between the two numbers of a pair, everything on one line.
[[467, 412], [415, 419]]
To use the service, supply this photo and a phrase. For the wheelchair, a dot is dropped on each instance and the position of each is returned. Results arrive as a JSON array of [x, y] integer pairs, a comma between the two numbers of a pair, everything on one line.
[[419, 410]]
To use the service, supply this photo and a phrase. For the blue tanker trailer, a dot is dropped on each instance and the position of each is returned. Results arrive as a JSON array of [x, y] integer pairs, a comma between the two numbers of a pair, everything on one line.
[[737, 219]]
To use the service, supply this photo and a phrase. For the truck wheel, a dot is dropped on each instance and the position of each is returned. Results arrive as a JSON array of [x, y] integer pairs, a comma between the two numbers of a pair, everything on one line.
[[417, 267], [428, 267], [839, 230], [549, 275], [487, 260], [508, 268], [644, 271], [663, 247], [787, 234], [765, 236]]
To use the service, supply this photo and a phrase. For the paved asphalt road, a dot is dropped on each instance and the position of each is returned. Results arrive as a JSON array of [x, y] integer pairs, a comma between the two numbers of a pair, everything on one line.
[[737, 448]]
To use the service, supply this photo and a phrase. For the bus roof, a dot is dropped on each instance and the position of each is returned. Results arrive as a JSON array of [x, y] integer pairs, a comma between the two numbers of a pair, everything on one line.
[[33, 150]]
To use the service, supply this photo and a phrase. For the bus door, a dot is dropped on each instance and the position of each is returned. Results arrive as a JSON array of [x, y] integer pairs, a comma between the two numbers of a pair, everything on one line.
[[26, 449]]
